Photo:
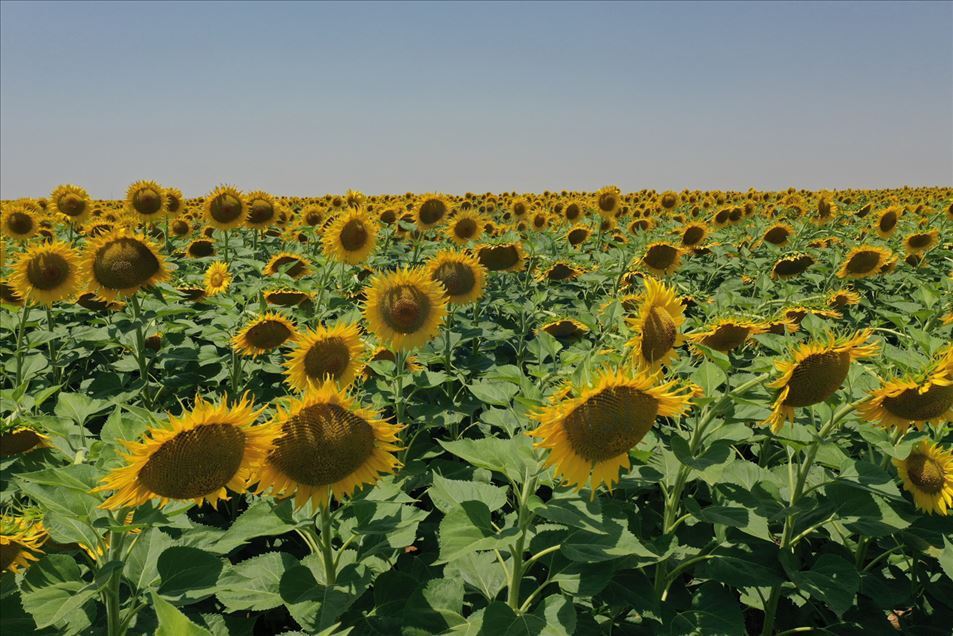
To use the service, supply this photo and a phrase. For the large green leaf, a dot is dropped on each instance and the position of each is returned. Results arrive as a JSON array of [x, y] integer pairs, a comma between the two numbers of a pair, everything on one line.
[[172, 622], [831, 580], [254, 584], [447, 494], [53, 589], [187, 575], [469, 528]]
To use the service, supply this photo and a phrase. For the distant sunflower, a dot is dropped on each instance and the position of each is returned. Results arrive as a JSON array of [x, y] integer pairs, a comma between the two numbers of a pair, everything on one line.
[[560, 271], [693, 234], [405, 308], [886, 222], [322, 445], [573, 211], [864, 261], [262, 211], [431, 210], [565, 329], [608, 201], [577, 235], [9, 295], [120, 263], [814, 373], [174, 203], [19, 223], [293, 265], [462, 276], [505, 257], [465, 227], [778, 234], [791, 266], [196, 456], [903, 402], [47, 273], [200, 248], [921, 242], [661, 258], [145, 200], [657, 325], [843, 298], [539, 221], [225, 208], [312, 215], [726, 334], [263, 334], [287, 297], [217, 278], [22, 439], [325, 353], [351, 237], [191, 292], [21, 540], [590, 436], [668, 200], [72, 202], [927, 474]]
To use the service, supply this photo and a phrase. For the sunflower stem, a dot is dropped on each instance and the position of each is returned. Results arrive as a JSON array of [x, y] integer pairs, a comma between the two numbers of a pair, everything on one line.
[[227, 234], [524, 516], [327, 551], [141, 349], [50, 325], [21, 329]]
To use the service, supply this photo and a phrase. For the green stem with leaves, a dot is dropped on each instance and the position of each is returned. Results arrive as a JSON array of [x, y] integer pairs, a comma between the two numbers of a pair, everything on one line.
[[327, 551], [140, 348], [523, 519], [21, 329]]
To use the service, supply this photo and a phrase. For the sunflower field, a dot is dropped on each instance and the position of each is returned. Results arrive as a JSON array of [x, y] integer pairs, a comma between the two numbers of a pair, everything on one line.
[[521, 414]]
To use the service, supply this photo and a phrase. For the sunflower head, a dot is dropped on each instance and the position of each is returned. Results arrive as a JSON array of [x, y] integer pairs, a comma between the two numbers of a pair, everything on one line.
[[294, 265], [145, 200], [927, 474], [405, 308], [225, 208], [261, 210], [656, 327], [120, 263], [727, 334], [608, 201], [263, 334], [886, 221], [565, 329], [791, 265], [668, 200], [920, 242], [661, 258], [778, 234], [573, 211], [47, 273], [22, 439], [200, 248], [328, 353], [577, 235], [19, 222], [843, 298], [560, 271], [462, 276], [351, 237], [864, 261], [9, 295], [464, 227], [504, 257], [174, 203], [21, 540], [287, 297], [72, 202], [217, 278], [693, 234], [431, 209], [914, 400]]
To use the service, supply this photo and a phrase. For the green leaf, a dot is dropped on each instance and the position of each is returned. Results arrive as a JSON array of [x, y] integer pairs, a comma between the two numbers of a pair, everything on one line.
[[264, 518], [734, 516], [254, 584], [714, 610], [468, 528], [559, 615], [495, 393], [479, 570], [831, 580], [172, 622], [709, 377], [434, 609], [78, 407], [511, 457], [187, 575], [53, 588], [447, 494], [141, 567]]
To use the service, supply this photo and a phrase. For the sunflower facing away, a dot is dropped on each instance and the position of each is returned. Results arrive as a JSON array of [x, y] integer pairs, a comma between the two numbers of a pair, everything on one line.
[[814, 373], [322, 445], [21, 539], [47, 273], [594, 432], [864, 261], [197, 456], [404, 309], [927, 474], [657, 325], [225, 208], [726, 334], [217, 278], [462, 276], [145, 200], [902, 402], [351, 237], [263, 334], [120, 263], [326, 353]]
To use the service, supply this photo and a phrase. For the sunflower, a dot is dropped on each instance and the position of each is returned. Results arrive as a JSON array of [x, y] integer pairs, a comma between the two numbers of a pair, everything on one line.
[[322, 445], [20, 440], [293, 265], [21, 539], [351, 237], [927, 474], [608, 201], [312, 215], [72, 202], [726, 334], [145, 200], [191, 292], [864, 261], [405, 308], [539, 221], [693, 234], [225, 208], [200, 248], [287, 297], [462, 276], [902, 402], [577, 235], [921, 242], [180, 227], [656, 326], [196, 456], [843, 298], [263, 334], [465, 226], [661, 258], [19, 223], [886, 222], [9, 295], [814, 373], [326, 353], [594, 432], [668, 200], [47, 273], [174, 203], [560, 271], [565, 329], [384, 354], [573, 211], [217, 278], [431, 210], [505, 257], [791, 265], [120, 263], [778, 234]]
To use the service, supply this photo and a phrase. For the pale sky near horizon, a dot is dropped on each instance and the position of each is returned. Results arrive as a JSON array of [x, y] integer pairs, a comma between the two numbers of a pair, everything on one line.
[[304, 99]]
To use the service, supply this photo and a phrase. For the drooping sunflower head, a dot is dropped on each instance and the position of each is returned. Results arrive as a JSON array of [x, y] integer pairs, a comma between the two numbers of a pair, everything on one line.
[[225, 208], [22, 439], [72, 202], [326, 353], [778, 234], [21, 540], [19, 223], [263, 334], [560, 271], [577, 235], [197, 456], [927, 474], [461, 275], [914, 400], [47, 273], [120, 263], [351, 237], [9, 295], [921, 242], [145, 200], [504, 257], [592, 434], [843, 298], [431, 209], [217, 278], [814, 372], [661, 258], [791, 265], [405, 308], [465, 226], [565, 329], [294, 265], [322, 445], [693, 234], [287, 297], [608, 201], [727, 334], [261, 210], [886, 221], [864, 261], [656, 328], [200, 248], [92, 302]]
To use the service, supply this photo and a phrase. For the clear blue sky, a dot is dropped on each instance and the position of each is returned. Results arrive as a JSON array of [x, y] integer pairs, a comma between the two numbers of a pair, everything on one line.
[[303, 98]]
